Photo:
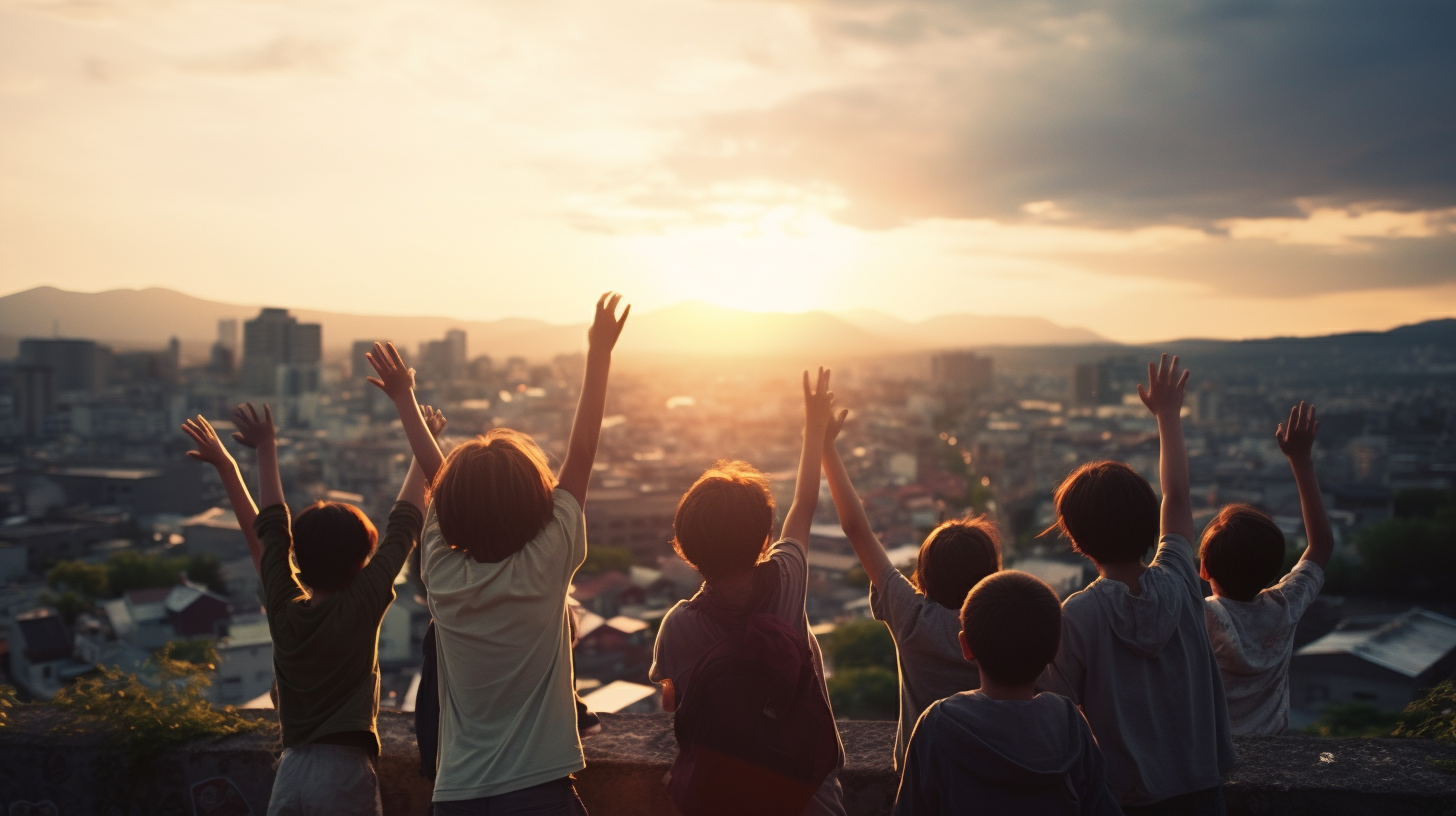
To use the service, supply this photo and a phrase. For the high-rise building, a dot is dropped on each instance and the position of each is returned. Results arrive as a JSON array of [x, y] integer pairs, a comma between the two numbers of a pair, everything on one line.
[[78, 366], [444, 359], [961, 373], [1105, 382], [280, 355], [35, 397], [227, 334]]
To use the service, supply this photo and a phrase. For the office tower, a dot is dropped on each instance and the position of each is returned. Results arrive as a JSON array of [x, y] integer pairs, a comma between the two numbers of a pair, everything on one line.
[[280, 355], [78, 366]]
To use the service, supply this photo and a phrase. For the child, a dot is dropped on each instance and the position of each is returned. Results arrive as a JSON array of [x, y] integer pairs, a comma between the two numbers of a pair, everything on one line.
[[722, 528], [502, 541], [923, 616], [325, 624], [1003, 748], [1135, 654], [1252, 628]]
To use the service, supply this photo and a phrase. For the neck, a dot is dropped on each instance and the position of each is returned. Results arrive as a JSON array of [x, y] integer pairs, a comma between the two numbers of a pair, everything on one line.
[[735, 587], [1126, 573], [1006, 691]]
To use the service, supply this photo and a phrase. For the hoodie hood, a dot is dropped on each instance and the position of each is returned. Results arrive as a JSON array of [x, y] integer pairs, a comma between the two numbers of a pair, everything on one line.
[[1011, 743], [1143, 622]]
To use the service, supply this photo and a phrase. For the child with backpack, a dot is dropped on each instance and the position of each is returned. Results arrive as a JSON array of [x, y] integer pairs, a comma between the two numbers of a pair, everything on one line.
[[502, 540], [1252, 628], [1135, 653], [923, 613], [325, 624], [1003, 748], [737, 662]]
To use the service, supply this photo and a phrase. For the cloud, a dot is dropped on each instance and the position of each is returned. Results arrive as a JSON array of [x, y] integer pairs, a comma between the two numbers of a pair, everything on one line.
[[1122, 112], [282, 55]]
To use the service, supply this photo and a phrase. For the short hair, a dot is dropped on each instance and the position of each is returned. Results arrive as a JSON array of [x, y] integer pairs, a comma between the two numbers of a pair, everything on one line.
[[1243, 550], [493, 495], [722, 523], [1108, 511], [1012, 622], [331, 542], [955, 557]]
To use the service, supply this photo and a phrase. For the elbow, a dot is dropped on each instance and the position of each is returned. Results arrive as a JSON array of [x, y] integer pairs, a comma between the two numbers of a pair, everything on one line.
[[855, 529]]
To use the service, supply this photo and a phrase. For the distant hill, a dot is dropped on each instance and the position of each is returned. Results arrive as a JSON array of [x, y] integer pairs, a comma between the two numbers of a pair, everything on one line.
[[146, 318]]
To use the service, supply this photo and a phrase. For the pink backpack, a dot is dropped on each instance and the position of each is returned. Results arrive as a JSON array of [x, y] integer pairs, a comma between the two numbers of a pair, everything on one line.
[[754, 732]]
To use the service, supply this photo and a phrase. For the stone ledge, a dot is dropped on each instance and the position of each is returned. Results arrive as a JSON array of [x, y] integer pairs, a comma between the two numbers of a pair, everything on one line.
[[626, 763]]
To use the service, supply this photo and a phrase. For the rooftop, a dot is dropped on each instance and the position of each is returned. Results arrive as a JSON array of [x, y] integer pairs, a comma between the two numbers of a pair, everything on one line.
[[1409, 643]]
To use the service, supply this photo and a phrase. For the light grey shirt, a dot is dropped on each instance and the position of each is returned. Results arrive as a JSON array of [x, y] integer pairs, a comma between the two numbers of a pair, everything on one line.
[[1142, 669], [1253, 641], [927, 650], [686, 633]]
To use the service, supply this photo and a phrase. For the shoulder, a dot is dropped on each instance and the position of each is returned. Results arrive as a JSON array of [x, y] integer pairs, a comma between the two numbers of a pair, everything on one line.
[[405, 517], [271, 519], [789, 549], [565, 506], [1175, 551], [1305, 572]]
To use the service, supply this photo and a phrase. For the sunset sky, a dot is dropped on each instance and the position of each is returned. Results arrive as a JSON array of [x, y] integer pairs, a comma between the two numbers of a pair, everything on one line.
[[1145, 169]]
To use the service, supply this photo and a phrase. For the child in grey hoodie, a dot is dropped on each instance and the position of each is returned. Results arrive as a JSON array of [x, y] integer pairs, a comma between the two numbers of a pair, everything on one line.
[[1003, 748], [1135, 654]]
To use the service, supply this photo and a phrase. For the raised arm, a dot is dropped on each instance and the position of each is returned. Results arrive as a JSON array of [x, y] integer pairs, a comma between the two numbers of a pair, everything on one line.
[[210, 450], [818, 412], [586, 429], [1296, 439], [852, 518], [259, 432], [1164, 397], [397, 381], [413, 489]]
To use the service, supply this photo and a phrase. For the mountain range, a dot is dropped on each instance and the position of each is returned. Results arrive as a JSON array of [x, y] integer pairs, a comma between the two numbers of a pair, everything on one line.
[[147, 318]]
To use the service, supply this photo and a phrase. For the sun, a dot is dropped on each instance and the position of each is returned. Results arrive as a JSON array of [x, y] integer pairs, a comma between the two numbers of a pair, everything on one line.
[[786, 260]]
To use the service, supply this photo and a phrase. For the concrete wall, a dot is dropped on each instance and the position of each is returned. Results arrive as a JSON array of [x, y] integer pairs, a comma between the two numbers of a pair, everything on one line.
[[625, 765]]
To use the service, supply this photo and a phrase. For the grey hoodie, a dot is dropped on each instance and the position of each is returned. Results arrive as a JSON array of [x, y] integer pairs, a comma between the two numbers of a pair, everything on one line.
[[970, 753], [1143, 671]]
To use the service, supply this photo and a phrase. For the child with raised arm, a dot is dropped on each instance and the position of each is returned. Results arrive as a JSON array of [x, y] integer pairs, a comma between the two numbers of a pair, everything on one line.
[[730, 754], [1252, 628], [324, 623], [1004, 748], [1135, 653], [502, 540], [923, 614]]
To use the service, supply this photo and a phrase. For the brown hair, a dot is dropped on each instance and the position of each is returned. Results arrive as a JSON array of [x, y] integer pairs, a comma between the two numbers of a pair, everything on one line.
[[1108, 511], [1012, 623], [1243, 550], [331, 541], [955, 557], [493, 495], [723, 522]]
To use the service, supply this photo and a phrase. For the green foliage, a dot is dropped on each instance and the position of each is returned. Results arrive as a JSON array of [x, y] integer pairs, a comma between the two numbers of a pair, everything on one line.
[[133, 570], [1408, 557], [605, 559], [865, 693], [7, 702], [68, 604], [139, 720], [201, 652], [1432, 716], [88, 580], [1353, 720], [860, 644]]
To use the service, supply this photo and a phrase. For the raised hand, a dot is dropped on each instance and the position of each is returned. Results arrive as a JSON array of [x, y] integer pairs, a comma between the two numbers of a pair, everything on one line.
[[818, 403], [209, 447], [395, 378], [1296, 437], [254, 430], [1164, 395], [434, 419], [836, 424], [606, 326]]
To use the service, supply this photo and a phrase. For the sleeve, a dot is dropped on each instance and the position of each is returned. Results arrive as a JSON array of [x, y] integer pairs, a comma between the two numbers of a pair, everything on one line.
[[568, 513], [1300, 587], [1175, 555], [894, 600], [792, 559], [662, 668], [274, 529], [918, 794], [376, 581], [1066, 674]]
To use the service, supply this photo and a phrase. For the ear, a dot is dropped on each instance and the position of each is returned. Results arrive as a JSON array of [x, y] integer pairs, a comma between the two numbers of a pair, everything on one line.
[[965, 647]]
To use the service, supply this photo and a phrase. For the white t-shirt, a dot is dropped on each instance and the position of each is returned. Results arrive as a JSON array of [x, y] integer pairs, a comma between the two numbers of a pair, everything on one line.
[[507, 711], [1253, 641]]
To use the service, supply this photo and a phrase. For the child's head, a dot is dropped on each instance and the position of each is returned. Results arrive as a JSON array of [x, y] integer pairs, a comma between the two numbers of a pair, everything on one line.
[[723, 522], [1011, 625], [1242, 551], [954, 558], [1108, 511], [331, 542], [493, 495]]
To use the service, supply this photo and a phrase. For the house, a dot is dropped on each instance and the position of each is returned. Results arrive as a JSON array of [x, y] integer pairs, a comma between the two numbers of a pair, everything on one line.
[[149, 618], [215, 532], [40, 653], [620, 696], [244, 662], [612, 648], [1063, 576], [1386, 661], [607, 593]]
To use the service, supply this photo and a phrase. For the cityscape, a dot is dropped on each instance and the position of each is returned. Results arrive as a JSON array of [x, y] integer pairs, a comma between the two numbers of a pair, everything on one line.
[[113, 543]]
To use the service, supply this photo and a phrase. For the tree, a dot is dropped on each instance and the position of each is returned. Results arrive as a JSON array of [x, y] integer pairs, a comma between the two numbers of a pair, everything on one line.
[[865, 693], [860, 644], [1353, 720], [605, 559], [133, 570], [88, 580]]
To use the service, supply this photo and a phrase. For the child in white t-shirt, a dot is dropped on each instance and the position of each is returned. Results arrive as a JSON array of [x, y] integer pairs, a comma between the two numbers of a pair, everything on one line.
[[1252, 628]]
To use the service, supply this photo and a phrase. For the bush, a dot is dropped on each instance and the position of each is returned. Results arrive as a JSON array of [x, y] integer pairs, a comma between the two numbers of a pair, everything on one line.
[[605, 559], [1432, 716], [1354, 720], [860, 644], [865, 693], [140, 721]]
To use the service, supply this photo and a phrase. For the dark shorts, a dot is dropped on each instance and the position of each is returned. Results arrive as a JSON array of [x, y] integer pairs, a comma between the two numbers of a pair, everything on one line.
[[1198, 803], [555, 798]]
